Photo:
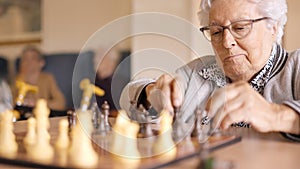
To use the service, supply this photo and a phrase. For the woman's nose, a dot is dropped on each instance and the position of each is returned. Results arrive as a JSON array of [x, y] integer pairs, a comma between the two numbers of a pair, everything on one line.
[[228, 39]]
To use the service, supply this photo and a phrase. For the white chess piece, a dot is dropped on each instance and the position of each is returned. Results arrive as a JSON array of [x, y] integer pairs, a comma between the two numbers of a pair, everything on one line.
[[8, 144], [62, 141], [82, 153], [125, 133], [164, 145], [42, 151], [124, 142], [30, 138]]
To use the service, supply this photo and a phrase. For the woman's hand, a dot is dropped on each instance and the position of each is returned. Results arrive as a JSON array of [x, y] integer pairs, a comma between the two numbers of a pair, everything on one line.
[[165, 93], [238, 102]]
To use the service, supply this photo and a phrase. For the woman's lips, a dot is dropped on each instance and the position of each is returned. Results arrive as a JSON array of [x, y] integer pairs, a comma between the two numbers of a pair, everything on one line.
[[231, 57]]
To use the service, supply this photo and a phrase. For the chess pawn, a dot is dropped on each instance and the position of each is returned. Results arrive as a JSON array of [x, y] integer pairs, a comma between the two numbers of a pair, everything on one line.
[[197, 126], [105, 111], [178, 131], [96, 115], [71, 119], [124, 143], [63, 137], [125, 133], [82, 153], [8, 144], [30, 138], [62, 142], [164, 145]]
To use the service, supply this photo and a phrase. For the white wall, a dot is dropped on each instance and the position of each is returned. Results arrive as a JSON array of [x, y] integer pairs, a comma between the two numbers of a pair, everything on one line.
[[168, 37], [68, 24], [292, 33]]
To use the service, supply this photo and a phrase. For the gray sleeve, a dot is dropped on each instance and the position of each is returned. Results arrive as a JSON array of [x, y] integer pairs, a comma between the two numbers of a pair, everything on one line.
[[132, 91], [295, 104]]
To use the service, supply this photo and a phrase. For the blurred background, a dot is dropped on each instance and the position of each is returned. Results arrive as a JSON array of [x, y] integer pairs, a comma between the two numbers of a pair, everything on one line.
[[62, 27]]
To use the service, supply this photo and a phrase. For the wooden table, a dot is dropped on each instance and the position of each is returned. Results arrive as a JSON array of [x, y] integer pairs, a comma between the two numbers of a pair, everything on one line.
[[256, 150]]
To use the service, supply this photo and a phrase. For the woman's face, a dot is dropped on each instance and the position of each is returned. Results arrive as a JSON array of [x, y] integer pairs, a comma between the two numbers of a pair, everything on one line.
[[242, 58]]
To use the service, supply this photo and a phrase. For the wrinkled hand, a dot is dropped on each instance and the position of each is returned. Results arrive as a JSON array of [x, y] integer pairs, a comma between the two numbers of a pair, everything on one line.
[[238, 102], [165, 93]]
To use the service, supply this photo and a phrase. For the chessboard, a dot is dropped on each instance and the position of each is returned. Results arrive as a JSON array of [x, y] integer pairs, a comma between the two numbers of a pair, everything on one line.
[[186, 149]]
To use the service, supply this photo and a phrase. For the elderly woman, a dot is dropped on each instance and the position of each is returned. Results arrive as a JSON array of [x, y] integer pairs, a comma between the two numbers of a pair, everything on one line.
[[250, 79]]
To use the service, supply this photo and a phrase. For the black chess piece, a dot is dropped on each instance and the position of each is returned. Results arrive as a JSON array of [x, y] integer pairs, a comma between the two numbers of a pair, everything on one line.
[[141, 115], [197, 125], [105, 112], [72, 119], [148, 129], [178, 125], [96, 115]]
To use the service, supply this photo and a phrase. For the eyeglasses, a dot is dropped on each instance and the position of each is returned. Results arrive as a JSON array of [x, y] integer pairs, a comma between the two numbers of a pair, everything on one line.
[[238, 29]]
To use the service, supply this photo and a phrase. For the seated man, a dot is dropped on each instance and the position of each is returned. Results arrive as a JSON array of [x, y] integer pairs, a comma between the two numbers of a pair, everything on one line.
[[30, 72]]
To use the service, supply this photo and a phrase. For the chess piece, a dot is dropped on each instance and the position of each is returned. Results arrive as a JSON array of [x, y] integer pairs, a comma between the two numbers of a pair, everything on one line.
[[148, 129], [23, 88], [178, 126], [88, 90], [105, 112], [202, 126], [41, 151], [124, 143], [8, 144], [164, 145], [62, 142], [82, 153], [141, 115], [71, 119], [63, 137], [98, 120], [125, 133], [30, 138], [96, 115], [197, 125]]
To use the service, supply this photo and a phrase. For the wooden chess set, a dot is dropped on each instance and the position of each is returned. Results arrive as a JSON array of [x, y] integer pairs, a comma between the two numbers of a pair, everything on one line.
[[92, 140]]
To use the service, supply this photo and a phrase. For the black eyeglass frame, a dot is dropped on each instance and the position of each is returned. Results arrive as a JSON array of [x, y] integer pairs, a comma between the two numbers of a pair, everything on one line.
[[202, 29]]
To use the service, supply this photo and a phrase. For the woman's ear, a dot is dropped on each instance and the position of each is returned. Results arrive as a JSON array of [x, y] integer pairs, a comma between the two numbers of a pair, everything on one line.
[[274, 30]]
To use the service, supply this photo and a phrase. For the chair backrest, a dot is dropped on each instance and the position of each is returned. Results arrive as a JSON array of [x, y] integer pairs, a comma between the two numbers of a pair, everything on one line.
[[3, 68], [62, 67]]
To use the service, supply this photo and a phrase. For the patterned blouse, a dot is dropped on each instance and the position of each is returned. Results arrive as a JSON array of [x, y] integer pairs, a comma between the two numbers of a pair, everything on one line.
[[214, 73]]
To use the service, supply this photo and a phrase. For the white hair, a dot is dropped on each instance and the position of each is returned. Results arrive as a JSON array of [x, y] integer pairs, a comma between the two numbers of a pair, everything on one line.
[[275, 9]]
